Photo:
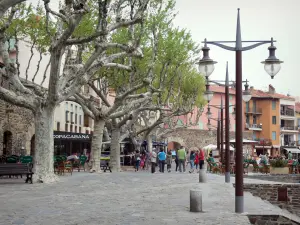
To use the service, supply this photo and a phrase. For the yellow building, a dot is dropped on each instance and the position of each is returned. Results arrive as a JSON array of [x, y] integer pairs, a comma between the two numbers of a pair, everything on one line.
[[265, 117]]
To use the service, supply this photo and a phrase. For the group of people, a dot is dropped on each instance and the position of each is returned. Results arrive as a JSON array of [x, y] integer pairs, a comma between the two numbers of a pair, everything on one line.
[[160, 158]]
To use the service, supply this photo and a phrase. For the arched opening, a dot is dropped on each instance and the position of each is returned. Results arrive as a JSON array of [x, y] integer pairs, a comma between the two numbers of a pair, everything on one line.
[[32, 145], [173, 145], [7, 143]]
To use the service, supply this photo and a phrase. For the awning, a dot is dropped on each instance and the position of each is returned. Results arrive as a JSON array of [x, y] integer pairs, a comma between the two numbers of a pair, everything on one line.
[[245, 141], [292, 150]]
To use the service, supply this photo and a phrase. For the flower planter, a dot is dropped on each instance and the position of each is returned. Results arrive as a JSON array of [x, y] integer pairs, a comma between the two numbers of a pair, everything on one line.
[[279, 170]]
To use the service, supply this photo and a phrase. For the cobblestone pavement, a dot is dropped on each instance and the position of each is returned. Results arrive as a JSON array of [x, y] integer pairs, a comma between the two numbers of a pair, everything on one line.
[[126, 198]]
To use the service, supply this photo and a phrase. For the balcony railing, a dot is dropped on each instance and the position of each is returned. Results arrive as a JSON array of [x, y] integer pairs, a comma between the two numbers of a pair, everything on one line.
[[287, 113], [289, 128], [263, 142], [253, 110], [253, 126]]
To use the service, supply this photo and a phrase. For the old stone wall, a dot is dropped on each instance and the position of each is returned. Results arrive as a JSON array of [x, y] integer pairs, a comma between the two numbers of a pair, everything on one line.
[[197, 138], [18, 123], [269, 192], [285, 178], [271, 220]]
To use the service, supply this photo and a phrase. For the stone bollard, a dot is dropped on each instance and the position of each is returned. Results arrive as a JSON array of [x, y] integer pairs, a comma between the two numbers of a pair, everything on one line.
[[195, 201], [202, 174]]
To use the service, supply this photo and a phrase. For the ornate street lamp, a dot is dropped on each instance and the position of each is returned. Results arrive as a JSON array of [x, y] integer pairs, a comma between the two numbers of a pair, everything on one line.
[[246, 94], [272, 67], [209, 125], [208, 113], [208, 94], [272, 64], [206, 64]]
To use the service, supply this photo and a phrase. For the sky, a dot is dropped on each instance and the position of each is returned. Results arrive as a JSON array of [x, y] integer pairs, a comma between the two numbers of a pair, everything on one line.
[[260, 20]]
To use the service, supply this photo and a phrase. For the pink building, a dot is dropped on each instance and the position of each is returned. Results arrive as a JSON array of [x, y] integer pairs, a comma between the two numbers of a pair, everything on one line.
[[219, 92]]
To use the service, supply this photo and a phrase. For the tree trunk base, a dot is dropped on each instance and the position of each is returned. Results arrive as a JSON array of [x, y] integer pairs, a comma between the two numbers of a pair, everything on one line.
[[46, 178]]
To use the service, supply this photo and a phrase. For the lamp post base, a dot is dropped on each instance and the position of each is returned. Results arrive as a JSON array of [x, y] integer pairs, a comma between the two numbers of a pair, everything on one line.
[[239, 204], [227, 177]]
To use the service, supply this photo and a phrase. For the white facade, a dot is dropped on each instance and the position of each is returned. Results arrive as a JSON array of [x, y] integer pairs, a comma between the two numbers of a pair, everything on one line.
[[69, 117], [288, 122]]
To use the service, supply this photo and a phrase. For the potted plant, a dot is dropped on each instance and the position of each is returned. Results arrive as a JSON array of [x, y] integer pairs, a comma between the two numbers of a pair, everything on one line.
[[279, 166]]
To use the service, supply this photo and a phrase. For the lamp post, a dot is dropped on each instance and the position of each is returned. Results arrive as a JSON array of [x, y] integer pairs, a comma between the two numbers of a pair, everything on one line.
[[272, 67], [246, 97]]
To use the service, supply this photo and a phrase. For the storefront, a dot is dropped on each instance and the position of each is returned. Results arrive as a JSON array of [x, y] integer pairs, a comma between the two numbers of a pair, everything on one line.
[[68, 143]]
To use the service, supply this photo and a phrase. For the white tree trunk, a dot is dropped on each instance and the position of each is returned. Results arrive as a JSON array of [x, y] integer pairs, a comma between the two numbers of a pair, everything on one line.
[[97, 145], [115, 150], [149, 143], [44, 145]]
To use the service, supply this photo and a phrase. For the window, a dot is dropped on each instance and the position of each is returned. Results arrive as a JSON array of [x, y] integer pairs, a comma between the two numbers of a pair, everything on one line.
[[254, 120], [66, 127], [86, 121], [66, 106], [247, 106], [80, 120], [274, 135], [75, 118], [273, 104], [87, 132], [67, 116], [58, 126], [75, 129], [247, 119], [298, 139], [79, 129], [71, 128], [273, 119], [75, 108], [254, 105], [72, 121]]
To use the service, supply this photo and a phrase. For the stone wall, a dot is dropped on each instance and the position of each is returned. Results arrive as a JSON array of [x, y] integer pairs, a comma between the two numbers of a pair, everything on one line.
[[285, 178], [269, 192], [270, 220], [198, 138], [19, 122]]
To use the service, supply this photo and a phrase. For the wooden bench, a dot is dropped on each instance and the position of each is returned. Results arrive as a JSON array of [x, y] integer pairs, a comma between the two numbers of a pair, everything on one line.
[[15, 169], [104, 165]]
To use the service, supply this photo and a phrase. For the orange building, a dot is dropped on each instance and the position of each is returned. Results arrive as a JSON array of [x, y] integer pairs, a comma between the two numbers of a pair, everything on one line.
[[264, 116]]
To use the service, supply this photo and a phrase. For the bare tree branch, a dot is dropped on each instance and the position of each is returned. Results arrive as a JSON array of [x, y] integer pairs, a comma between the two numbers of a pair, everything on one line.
[[30, 58], [9, 20], [38, 66], [100, 94], [45, 72], [6, 4]]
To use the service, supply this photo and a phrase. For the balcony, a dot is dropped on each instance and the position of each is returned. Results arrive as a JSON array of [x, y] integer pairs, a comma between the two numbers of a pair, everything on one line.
[[289, 128], [287, 113], [253, 110], [263, 142], [253, 126]]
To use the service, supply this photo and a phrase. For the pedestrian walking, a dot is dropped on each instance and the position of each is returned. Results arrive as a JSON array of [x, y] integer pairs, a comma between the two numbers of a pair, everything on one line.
[[169, 161], [181, 159], [176, 160], [153, 160], [197, 159], [201, 158], [137, 158], [192, 161], [162, 160]]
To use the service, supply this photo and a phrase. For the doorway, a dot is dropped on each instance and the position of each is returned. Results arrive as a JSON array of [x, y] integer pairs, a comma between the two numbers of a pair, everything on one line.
[[7, 143]]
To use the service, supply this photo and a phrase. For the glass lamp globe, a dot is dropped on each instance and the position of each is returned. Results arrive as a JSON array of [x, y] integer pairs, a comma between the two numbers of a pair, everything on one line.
[[208, 95]]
